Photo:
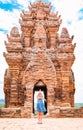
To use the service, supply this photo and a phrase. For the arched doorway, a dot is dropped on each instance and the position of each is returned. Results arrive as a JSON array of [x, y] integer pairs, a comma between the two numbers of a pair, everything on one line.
[[35, 92]]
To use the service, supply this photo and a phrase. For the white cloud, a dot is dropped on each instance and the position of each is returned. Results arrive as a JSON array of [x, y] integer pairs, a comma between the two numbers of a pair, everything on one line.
[[3, 64], [9, 19], [68, 8], [1, 92]]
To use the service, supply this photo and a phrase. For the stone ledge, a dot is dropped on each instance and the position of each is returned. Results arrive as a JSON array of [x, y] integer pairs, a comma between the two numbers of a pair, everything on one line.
[[10, 112], [54, 113], [65, 112]]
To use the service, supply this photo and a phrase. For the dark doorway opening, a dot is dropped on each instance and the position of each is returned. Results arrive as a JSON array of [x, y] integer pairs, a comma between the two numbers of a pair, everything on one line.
[[35, 92]]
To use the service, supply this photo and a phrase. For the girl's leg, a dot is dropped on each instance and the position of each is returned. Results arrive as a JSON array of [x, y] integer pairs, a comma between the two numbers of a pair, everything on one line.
[[41, 117], [38, 117]]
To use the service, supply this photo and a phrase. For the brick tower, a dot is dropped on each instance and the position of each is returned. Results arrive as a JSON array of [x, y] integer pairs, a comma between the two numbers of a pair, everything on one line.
[[39, 58]]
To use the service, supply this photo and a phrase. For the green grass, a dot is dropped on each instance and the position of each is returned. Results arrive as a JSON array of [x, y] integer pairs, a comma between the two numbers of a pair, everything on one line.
[[78, 105], [1, 105]]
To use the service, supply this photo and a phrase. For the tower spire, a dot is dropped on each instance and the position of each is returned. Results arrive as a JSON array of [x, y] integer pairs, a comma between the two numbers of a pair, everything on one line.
[[39, 1]]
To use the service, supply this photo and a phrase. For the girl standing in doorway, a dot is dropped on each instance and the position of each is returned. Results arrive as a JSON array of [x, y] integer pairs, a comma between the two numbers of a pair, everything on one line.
[[40, 106]]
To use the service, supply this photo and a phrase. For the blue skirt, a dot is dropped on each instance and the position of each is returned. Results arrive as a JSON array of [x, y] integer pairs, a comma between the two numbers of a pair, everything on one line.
[[40, 106]]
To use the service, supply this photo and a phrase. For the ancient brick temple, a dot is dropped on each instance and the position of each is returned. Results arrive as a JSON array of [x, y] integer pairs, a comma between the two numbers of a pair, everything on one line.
[[39, 58]]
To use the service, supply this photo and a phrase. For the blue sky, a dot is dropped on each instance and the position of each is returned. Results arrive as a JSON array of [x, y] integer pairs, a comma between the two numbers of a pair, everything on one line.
[[10, 6], [71, 12]]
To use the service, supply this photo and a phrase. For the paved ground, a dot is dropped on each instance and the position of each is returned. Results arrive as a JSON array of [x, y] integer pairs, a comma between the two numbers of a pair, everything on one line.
[[48, 124]]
